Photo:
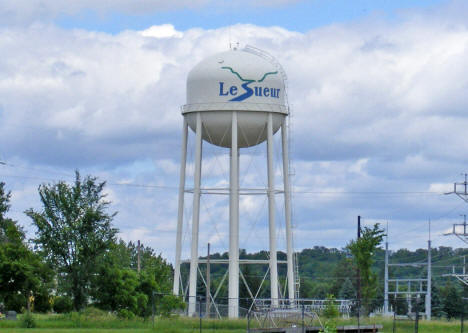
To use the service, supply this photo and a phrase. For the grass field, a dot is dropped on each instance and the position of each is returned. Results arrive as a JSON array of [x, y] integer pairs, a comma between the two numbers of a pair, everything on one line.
[[74, 323]]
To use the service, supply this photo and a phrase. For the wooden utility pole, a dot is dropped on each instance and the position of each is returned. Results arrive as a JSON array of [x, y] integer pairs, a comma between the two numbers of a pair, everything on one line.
[[208, 282], [138, 256], [359, 276]]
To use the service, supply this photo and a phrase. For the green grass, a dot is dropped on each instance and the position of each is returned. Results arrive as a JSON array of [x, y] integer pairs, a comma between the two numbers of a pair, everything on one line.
[[76, 322], [105, 323]]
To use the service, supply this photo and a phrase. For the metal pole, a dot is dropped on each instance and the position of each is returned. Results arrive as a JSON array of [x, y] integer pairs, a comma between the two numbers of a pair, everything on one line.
[[416, 321], [180, 211], [233, 292], [208, 283], [271, 214], [464, 265], [287, 211], [429, 282], [303, 327], [462, 317], [386, 281], [464, 224], [199, 313], [195, 219], [408, 298], [394, 315]]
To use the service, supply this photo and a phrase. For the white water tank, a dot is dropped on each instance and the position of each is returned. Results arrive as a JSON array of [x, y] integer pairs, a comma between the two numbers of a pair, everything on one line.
[[240, 81]]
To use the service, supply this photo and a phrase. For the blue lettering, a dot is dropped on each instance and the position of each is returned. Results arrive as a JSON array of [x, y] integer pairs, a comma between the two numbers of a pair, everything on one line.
[[266, 92], [277, 93], [258, 91], [247, 94], [233, 90], [221, 90]]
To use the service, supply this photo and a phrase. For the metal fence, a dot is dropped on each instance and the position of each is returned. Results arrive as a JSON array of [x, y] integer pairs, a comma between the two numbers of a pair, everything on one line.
[[307, 315]]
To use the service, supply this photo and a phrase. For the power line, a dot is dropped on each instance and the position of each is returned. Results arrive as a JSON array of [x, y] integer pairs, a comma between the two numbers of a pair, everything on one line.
[[399, 193]]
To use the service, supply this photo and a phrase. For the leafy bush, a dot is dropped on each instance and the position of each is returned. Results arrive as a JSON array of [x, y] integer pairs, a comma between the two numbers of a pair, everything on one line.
[[329, 327], [63, 304], [93, 312], [28, 321], [15, 302], [170, 303], [125, 314], [42, 302], [331, 310]]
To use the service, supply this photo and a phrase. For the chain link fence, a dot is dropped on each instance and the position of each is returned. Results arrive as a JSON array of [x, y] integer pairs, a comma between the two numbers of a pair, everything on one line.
[[305, 315]]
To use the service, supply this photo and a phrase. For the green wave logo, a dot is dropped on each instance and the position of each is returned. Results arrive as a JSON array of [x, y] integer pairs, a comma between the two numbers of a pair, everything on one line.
[[249, 80], [248, 90]]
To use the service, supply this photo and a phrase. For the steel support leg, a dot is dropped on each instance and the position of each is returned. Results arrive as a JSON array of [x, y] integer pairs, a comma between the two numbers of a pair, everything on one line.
[[195, 219], [287, 211], [271, 214], [180, 211], [233, 291]]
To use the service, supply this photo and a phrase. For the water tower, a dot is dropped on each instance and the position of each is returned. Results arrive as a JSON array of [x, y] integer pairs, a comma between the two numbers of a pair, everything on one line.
[[235, 99]]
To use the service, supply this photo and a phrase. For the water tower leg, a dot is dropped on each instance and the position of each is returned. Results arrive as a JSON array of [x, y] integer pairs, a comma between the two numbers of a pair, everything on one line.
[[195, 219], [180, 212], [271, 214], [234, 225], [287, 211]]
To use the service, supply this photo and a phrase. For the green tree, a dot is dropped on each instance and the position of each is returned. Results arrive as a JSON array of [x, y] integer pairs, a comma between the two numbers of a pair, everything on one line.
[[436, 302], [331, 309], [363, 250], [117, 290], [452, 301], [347, 290], [73, 230], [118, 286], [22, 272], [343, 270]]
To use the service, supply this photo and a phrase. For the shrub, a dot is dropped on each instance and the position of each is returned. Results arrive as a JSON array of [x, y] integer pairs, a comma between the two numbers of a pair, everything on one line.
[[92, 311], [28, 321], [125, 314], [15, 302], [42, 302], [331, 310], [329, 327], [170, 303], [63, 304]]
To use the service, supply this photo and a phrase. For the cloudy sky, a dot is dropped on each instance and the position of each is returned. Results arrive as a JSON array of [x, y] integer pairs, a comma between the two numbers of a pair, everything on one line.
[[377, 90]]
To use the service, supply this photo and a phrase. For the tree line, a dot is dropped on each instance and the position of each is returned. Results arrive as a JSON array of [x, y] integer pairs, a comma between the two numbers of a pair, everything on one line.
[[332, 273], [75, 258]]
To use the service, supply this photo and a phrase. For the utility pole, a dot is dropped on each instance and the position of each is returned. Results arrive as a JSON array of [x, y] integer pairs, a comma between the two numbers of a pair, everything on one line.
[[464, 265], [138, 257], [429, 277], [359, 274], [459, 229], [208, 282], [386, 277]]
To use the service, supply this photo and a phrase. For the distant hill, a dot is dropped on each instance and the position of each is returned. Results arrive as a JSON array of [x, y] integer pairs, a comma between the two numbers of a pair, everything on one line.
[[324, 270]]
